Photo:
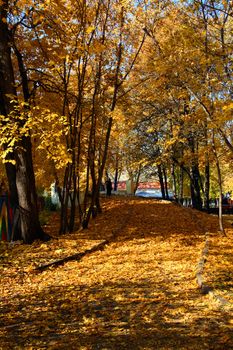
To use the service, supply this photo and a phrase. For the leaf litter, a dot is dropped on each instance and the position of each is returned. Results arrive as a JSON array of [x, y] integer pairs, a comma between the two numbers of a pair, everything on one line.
[[140, 292]]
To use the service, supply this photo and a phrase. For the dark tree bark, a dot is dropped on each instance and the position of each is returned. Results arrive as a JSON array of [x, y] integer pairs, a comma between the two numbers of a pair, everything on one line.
[[25, 182], [160, 174], [174, 182], [179, 196], [207, 186], [116, 173], [181, 187], [206, 190], [220, 217], [23, 173], [165, 183], [137, 178], [10, 168], [195, 176], [195, 188]]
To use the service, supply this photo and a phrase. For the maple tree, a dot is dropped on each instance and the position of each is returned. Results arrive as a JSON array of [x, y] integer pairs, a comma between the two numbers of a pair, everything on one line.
[[186, 92], [98, 66], [16, 142], [82, 57]]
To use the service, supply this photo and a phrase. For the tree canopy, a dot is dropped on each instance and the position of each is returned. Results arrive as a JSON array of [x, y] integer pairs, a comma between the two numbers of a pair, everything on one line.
[[89, 87]]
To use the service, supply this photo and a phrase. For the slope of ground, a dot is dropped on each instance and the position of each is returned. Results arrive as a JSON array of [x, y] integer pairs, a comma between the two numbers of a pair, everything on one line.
[[140, 292]]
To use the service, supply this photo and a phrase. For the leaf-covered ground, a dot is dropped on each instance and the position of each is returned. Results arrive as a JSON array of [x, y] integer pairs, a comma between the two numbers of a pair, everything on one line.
[[140, 292]]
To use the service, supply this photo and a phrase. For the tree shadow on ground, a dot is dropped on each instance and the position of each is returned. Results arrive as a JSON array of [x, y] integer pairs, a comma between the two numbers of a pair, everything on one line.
[[156, 217], [117, 316], [152, 218], [124, 306]]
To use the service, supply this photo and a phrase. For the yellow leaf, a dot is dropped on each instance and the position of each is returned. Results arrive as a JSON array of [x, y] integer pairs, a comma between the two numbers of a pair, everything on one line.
[[90, 29]]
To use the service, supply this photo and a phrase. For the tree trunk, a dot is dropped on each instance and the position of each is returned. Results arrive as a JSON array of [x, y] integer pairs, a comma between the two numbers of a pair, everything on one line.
[[24, 174], [29, 218], [195, 188], [65, 201], [160, 174], [137, 178], [10, 168], [195, 176], [174, 184], [181, 187], [207, 186], [207, 171], [101, 169], [73, 197], [220, 218], [165, 183], [116, 174]]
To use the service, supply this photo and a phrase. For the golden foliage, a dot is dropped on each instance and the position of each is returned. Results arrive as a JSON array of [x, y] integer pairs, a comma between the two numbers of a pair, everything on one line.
[[139, 291]]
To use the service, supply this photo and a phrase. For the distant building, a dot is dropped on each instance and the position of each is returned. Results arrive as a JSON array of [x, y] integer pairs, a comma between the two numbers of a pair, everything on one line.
[[149, 185]]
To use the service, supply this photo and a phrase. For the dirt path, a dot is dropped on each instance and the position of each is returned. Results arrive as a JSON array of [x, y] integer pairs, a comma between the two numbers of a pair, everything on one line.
[[140, 292]]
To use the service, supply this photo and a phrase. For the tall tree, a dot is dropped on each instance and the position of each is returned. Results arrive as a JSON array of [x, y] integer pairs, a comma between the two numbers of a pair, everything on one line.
[[20, 149]]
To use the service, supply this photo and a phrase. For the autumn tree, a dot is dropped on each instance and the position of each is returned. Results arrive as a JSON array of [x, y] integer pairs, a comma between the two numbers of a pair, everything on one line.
[[84, 55], [182, 64], [14, 110]]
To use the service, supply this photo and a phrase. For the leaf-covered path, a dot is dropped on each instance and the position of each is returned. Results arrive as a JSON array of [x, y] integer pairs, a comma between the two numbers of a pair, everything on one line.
[[140, 292]]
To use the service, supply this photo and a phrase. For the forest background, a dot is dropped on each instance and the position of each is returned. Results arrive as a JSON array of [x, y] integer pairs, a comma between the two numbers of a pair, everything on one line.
[[95, 87]]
